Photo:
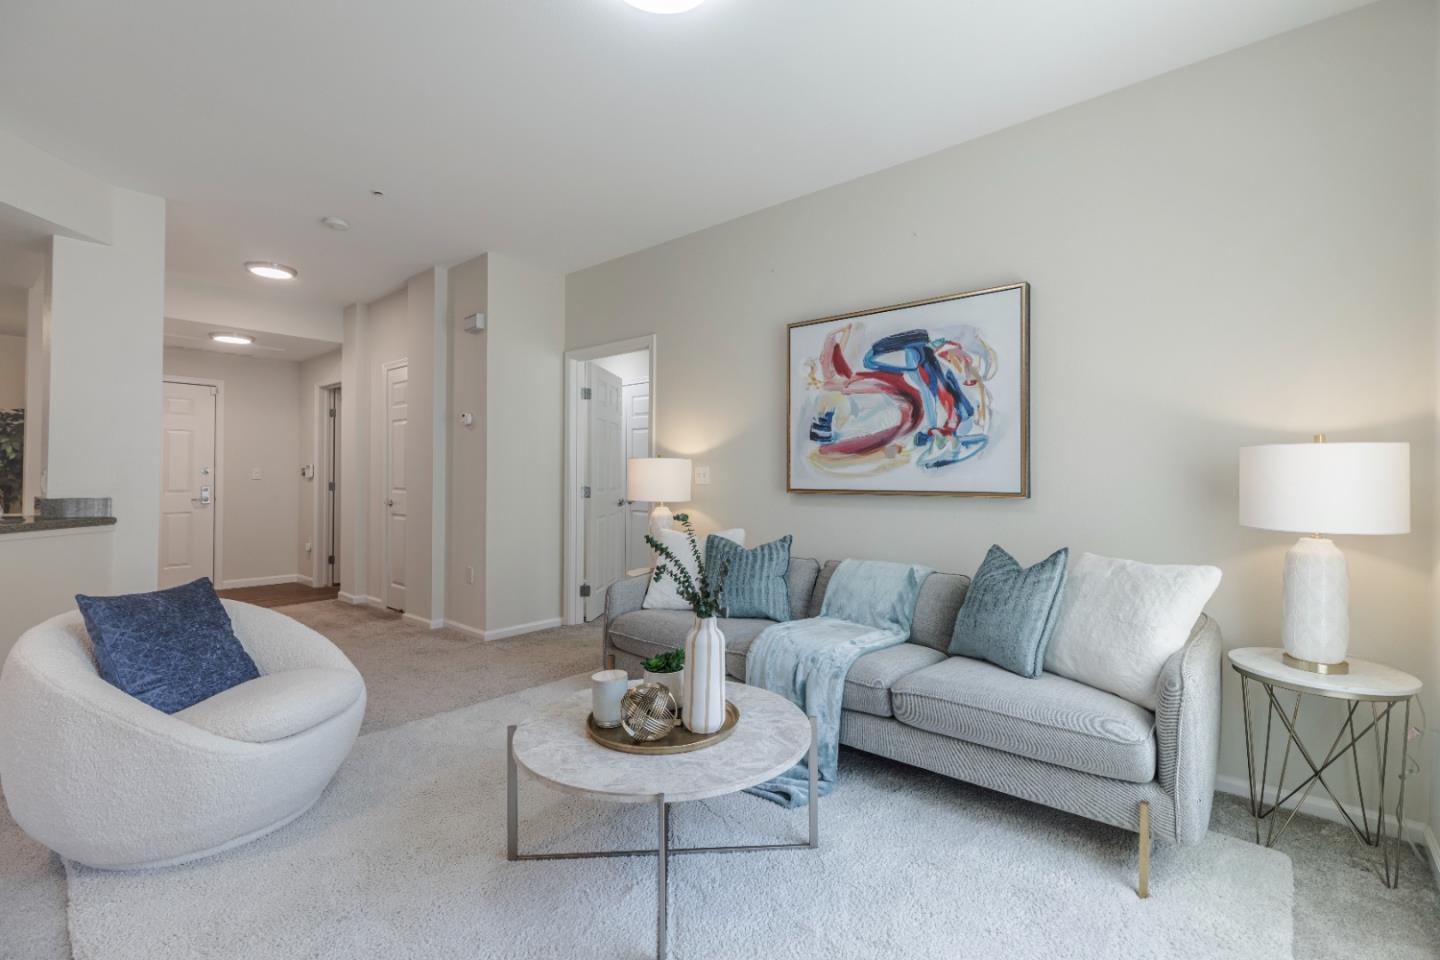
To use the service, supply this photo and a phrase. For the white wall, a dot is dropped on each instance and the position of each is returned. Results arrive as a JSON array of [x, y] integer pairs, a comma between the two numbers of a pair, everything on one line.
[[41, 572], [1241, 251], [106, 338], [12, 373], [315, 373], [465, 568], [37, 386], [631, 368], [525, 348], [261, 416]]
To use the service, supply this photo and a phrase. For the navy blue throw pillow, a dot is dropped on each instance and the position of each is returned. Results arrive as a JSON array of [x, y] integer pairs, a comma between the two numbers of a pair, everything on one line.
[[170, 649]]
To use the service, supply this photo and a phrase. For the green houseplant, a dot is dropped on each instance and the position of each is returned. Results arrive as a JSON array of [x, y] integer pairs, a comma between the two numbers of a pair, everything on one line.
[[12, 448], [703, 679], [668, 668]]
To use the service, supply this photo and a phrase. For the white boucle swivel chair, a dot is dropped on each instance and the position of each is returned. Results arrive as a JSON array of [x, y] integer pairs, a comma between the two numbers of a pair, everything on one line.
[[105, 780]]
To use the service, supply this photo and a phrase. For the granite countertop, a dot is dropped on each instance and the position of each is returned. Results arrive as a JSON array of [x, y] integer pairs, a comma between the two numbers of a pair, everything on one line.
[[33, 524]]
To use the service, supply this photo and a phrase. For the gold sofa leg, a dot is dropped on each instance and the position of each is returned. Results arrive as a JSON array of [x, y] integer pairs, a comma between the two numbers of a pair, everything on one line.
[[1144, 888]]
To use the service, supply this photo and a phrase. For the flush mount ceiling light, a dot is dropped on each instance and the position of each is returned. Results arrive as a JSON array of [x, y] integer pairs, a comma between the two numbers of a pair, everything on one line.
[[271, 270], [335, 223], [665, 6], [235, 338]]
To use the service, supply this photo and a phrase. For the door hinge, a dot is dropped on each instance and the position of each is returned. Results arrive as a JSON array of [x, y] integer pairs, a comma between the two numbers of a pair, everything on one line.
[[584, 589], [585, 492], [330, 485], [585, 393], [332, 411], [330, 559]]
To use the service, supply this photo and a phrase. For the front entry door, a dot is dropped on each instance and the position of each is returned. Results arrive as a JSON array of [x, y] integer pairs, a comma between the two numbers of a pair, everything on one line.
[[187, 484], [605, 475], [397, 421]]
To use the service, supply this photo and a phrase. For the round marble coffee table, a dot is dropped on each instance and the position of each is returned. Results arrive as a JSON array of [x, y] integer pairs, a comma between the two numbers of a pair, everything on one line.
[[553, 747]]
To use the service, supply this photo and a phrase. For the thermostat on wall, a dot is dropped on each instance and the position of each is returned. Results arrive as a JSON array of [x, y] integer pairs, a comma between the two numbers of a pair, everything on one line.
[[475, 323]]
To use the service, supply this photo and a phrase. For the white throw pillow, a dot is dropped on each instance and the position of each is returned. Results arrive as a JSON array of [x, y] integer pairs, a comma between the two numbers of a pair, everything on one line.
[[662, 594], [1121, 620]]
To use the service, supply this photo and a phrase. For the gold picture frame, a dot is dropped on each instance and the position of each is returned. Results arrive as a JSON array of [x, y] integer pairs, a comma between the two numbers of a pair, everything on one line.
[[1015, 407]]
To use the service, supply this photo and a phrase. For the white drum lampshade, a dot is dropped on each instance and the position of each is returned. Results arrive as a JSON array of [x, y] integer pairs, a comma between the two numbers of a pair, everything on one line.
[[659, 480], [1323, 488]]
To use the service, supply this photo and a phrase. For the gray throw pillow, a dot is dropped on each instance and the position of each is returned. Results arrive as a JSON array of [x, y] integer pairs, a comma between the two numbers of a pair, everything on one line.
[[1010, 612], [757, 582]]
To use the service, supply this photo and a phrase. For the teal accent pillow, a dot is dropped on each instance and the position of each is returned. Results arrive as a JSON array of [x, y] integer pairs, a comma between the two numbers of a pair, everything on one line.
[[757, 583], [1010, 611]]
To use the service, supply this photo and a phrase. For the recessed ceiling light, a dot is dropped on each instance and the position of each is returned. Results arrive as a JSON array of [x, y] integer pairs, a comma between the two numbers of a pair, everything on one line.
[[236, 338], [665, 6], [335, 223], [271, 270]]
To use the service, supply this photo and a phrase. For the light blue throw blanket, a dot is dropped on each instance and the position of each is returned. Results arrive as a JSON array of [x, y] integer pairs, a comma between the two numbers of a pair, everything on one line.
[[869, 605]]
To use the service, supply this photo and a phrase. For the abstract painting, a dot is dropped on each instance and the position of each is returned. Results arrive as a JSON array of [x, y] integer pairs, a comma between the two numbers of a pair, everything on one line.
[[930, 398]]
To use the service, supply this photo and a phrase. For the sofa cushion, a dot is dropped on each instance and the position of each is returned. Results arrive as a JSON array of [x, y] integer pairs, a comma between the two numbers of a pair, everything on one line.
[[1010, 611], [645, 633], [803, 573], [1048, 718], [756, 581], [277, 705], [664, 593], [867, 685], [168, 649], [940, 598]]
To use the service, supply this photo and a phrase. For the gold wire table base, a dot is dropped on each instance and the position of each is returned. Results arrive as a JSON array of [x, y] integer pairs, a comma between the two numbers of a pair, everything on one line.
[[1376, 837]]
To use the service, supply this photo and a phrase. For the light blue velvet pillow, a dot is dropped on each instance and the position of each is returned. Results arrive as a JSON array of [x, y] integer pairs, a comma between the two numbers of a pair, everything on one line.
[[757, 583], [1010, 611]]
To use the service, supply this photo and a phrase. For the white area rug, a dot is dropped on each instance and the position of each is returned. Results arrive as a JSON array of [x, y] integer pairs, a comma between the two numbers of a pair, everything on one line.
[[404, 857]]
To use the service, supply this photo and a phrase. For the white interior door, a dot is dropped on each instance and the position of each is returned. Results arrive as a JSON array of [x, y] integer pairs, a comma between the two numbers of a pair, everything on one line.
[[187, 484], [636, 400], [397, 420], [605, 510]]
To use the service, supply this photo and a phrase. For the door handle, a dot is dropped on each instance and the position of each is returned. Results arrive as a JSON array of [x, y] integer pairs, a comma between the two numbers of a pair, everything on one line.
[[204, 498], [389, 503], [620, 502]]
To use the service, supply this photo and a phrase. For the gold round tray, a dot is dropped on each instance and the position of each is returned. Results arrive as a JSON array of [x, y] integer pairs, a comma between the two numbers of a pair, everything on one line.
[[679, 740]]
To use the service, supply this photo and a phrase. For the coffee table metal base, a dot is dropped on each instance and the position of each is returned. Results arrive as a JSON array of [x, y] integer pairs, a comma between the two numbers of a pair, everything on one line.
[[663, 851]]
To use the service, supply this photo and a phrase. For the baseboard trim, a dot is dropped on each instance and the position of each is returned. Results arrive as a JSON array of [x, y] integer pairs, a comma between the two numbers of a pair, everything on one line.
[[1416, 831], [426, 622], [308, 581], [519, 628], [260, 581], [501, 633]]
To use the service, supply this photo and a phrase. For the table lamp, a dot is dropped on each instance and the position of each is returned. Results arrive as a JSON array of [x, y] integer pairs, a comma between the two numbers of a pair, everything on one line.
[[659, 480], [1323, 488]]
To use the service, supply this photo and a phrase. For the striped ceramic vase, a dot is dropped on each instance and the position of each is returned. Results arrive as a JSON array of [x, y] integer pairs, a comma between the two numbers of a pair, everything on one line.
[[705, 676]]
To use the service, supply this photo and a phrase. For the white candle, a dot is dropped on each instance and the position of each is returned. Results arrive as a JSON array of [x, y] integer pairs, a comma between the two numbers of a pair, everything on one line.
[[607, 688]]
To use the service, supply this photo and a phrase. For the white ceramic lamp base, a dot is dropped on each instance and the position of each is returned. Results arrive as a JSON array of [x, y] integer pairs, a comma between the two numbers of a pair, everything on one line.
[[1316, 629], [660, 519]]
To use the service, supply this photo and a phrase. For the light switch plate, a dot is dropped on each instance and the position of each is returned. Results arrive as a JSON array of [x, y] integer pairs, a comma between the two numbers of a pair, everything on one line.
[[702, 475], [255, 473]]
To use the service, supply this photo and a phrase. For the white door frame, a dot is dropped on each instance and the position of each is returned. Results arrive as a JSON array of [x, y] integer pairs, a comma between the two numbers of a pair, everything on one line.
[[318, 566], [572, 553], [385, 464], [219, 512]]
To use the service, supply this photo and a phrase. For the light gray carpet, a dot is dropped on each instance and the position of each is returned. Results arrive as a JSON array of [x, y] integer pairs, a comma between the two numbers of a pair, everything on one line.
[[404, 857], [412, 672]]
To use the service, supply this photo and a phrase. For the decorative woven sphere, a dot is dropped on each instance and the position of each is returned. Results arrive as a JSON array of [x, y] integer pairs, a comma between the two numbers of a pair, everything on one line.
[[648, 712]]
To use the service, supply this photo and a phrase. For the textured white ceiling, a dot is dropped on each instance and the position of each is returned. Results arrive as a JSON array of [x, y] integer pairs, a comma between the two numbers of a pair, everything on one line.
[[566, 132]]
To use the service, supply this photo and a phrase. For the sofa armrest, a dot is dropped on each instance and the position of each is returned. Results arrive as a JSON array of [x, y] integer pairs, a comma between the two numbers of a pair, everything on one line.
[[1187, 729], [623, 596]]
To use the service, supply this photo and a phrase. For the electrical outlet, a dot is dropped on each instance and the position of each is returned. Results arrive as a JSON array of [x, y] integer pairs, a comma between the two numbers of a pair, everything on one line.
[[470, 575], [308, 546], [702, 475]]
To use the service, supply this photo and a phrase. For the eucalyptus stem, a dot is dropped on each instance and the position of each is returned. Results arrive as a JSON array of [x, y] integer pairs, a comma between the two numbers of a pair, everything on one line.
[[704, 599]]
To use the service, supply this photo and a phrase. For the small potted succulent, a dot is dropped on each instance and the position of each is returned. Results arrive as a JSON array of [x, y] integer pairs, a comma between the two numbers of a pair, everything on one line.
[[668, 668]]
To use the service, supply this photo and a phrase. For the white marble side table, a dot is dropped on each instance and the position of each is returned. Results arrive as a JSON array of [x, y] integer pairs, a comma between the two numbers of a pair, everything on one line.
[[554, 748], [1383, 688]]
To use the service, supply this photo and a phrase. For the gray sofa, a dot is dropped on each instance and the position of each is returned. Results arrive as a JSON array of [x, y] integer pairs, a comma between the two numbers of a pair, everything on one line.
[[1050, 740]]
